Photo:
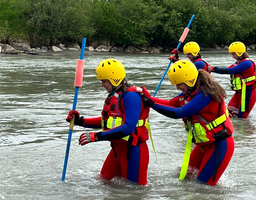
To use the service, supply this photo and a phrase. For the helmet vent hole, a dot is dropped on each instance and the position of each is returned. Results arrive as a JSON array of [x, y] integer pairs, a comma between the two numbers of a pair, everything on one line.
[[179, 66], [173, 69], [102, 65], [108, 63]]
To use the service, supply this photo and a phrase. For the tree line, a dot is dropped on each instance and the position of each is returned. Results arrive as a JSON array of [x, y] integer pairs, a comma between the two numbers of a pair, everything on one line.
[[128, 22]]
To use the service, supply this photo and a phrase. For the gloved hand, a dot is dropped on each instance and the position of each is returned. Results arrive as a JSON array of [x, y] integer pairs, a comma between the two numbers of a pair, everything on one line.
[[86, 138], [148, 101], [78, 120], [209, 68], [174, 59], [213, 69], [175, 51]]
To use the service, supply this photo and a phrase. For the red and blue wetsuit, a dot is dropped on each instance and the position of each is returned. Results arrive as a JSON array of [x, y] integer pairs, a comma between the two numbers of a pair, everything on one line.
[[201, 64], [242, 74], [211, 128], [124, 115]]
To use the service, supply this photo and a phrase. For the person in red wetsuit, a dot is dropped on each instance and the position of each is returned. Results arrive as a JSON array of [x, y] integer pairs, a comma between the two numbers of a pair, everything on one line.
[[192, 49], [242, 74], [201, 106], [124, 122]]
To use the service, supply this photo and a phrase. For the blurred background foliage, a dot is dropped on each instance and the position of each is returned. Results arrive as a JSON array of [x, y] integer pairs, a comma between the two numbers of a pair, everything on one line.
[[128, 22]]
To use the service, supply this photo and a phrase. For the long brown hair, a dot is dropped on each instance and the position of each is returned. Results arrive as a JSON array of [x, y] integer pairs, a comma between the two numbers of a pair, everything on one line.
[[210, 86], [124, 85], [245, 55]]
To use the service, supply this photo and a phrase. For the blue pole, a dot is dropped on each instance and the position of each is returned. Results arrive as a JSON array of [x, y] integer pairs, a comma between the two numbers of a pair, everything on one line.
[[71, 122], [178, 46]]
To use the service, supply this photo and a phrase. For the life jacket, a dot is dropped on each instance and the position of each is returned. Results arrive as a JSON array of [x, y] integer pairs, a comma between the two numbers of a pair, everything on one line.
[[210, 124], [113, 116], [206, 64], [240, 81]]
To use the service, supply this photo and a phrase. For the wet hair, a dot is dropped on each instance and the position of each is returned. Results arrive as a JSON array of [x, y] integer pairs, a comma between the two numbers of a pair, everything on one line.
[[210, 86]]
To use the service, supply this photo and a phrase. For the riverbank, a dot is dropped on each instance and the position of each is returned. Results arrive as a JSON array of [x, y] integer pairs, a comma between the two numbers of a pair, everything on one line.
[[24, 48]]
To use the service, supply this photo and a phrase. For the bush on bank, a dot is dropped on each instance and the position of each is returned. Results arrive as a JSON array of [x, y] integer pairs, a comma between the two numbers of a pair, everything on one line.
[[123, 23]]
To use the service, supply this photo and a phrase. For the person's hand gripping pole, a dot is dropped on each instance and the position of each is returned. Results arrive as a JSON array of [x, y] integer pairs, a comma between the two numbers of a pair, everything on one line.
[[182, 38], [78, 83]]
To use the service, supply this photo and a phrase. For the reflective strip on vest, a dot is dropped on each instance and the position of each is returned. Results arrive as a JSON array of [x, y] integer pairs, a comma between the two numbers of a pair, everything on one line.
[[113, 122], [246, 80], [215, 123], [199, 133], [237, 82]]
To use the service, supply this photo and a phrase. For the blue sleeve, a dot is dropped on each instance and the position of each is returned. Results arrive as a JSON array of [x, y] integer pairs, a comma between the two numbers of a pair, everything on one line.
[[132, 107], [199, 102], [199, 64], [235, 70]]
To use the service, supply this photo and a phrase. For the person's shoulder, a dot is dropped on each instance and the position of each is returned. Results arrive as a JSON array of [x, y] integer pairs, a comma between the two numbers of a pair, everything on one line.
[[200, 92], [199, 62], [131, 94], [249, 61]]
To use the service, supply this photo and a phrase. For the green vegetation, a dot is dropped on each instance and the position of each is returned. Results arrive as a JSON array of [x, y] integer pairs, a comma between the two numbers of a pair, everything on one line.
[[128, 22]]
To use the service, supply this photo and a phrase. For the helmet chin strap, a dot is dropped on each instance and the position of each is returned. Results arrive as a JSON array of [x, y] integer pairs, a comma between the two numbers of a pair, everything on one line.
[[113, 90], [191, 89], [197, 56]]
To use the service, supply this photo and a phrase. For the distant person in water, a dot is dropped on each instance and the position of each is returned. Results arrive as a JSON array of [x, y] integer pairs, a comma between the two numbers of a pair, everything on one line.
[[202, 107], [124, 122], [192, 50], [243, 82]]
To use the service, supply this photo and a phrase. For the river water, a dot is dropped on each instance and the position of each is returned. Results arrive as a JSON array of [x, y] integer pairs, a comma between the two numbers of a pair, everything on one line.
[[36, 93]]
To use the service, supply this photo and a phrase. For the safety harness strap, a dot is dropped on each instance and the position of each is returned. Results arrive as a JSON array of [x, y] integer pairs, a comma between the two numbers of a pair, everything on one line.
[[237, 86], [117, 121], [246, 80], [215, 123], [243, 96], [186, 157]]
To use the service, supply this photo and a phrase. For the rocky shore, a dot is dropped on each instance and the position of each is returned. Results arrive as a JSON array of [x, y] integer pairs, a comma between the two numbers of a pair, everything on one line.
[[24, 47]]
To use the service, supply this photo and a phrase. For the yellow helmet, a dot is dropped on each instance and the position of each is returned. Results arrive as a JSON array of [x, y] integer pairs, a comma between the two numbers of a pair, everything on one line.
[[191, 47], [183, 71], [112, 70], [237, 47]]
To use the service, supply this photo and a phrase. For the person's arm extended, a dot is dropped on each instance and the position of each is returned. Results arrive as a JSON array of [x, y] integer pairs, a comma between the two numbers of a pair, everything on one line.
[[193, 107], [234, 70], [172, 102]]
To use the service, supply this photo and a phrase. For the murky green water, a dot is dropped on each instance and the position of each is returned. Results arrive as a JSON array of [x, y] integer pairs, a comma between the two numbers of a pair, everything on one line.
[[36, 93]]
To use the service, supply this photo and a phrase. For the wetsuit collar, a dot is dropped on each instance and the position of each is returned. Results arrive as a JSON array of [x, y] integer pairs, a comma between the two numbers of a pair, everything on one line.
[[190, 91]]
